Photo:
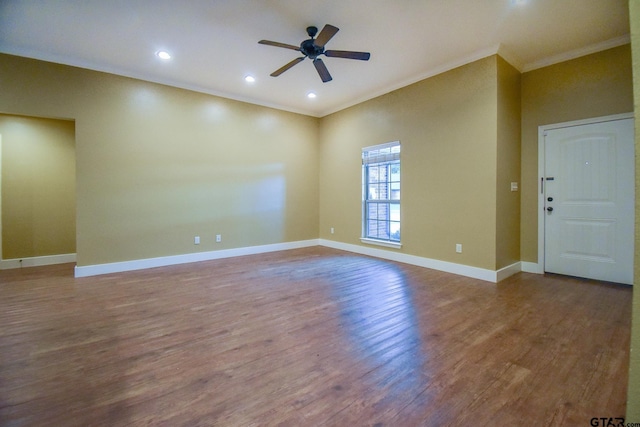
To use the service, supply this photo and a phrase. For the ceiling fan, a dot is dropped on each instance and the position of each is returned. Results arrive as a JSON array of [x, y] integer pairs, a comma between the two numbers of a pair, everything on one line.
[[314, 47]]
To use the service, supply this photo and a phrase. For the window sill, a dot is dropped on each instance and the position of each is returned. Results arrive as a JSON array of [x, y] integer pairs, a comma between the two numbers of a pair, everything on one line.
[[381, 243]]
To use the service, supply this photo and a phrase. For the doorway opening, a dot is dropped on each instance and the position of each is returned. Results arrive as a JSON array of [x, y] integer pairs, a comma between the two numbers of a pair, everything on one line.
[[37, 191]]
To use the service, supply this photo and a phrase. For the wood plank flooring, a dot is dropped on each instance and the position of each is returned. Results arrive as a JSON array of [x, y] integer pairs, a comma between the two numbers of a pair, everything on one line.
[[308, 337]]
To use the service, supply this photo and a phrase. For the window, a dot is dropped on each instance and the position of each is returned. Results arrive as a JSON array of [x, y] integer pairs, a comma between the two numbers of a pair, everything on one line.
[[381, 193]]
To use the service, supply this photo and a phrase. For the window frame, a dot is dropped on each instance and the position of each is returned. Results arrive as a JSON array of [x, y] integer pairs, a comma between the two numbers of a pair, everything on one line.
[[387, 158]]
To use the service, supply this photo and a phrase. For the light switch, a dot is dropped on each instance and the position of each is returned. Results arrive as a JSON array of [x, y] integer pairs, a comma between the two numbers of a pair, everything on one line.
[[514, 186]]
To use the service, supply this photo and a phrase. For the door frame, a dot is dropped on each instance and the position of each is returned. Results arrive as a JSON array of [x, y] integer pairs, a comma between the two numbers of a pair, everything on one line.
[[539, 268]]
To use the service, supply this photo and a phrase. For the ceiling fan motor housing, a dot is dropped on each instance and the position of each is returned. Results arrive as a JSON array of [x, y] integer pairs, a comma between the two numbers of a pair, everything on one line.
[[309, 48]]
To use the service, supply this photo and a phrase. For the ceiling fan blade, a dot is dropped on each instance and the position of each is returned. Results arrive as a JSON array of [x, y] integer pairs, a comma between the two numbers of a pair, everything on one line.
[[325, 35], [322, 70], [363, 56], [281, 70], [278, 44]]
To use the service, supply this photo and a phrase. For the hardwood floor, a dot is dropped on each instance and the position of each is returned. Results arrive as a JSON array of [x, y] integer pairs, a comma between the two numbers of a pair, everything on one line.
[[308, 337]]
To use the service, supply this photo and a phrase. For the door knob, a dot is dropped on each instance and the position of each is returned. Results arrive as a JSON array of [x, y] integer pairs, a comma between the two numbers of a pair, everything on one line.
[[549, 199], [550, 209]]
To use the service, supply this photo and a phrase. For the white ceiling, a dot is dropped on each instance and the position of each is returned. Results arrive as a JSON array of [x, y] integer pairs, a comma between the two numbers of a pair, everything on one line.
[[214, 42]]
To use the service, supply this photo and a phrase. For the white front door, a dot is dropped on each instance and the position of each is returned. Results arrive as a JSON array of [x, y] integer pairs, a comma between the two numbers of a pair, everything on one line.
[[588, 188]]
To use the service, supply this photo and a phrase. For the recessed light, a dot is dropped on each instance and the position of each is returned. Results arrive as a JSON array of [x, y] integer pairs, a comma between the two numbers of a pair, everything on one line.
[[163, 54], [249, 79], [311, 95]]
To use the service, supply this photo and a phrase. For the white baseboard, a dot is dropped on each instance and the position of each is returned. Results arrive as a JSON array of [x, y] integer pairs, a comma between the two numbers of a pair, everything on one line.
[[118, 267], [7, 264], [508, 271], [449, 267], [532, 267]]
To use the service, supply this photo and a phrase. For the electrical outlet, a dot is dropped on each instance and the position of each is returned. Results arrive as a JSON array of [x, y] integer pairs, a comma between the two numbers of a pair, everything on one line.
[[459, 248], [196, 240], [331, 230], [218, 238]]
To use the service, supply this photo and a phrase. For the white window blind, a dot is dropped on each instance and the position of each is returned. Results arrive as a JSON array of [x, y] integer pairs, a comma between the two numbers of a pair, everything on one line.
[[381, 153]]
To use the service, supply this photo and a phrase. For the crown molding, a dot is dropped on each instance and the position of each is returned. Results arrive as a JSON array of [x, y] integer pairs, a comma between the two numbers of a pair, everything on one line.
[[475, 56], [577, 53]]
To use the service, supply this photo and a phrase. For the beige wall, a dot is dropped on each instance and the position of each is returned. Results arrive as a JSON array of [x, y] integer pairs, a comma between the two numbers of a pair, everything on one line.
[[508, 166], [633, 397], [447, 126], [591, 86], [158, 165], [38, 187]]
